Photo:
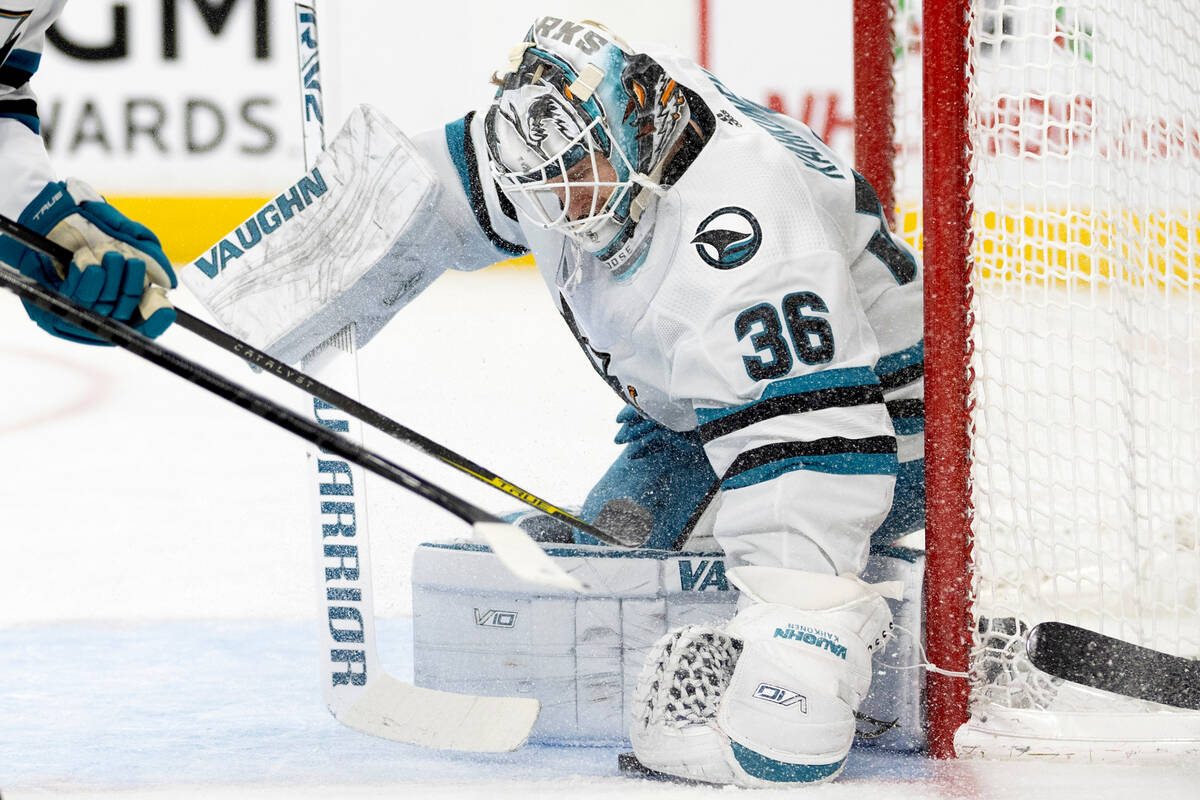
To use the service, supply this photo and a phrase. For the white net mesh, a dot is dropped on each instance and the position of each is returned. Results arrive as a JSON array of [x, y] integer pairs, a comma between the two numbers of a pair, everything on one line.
[[1086, 426]]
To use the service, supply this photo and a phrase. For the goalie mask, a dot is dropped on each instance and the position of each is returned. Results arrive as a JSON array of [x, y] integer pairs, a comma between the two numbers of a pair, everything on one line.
[[579, 133]]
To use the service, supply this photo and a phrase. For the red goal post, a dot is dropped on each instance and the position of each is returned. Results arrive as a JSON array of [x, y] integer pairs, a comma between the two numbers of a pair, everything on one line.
[[1044, 157], [947, 261]]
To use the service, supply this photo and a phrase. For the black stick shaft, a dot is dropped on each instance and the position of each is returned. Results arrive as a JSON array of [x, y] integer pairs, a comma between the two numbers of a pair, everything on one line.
[[370, 416], [348, 404], [35, 240], [125, 337]]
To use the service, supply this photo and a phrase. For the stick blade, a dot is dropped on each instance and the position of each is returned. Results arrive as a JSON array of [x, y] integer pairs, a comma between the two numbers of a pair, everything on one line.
[[401, 712], [1086, 657], [523, 557]]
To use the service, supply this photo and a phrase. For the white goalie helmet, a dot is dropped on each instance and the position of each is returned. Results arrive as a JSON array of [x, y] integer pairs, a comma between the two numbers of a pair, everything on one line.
[[579, 133]]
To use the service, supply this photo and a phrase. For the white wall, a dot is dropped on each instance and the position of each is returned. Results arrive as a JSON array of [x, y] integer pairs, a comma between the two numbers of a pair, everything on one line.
[[796, 53], [218, 120], [428, 63], [214, 120]]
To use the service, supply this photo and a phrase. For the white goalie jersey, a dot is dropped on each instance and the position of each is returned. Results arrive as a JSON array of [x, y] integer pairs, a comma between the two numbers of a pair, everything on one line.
[[770, 309], [773, 313]]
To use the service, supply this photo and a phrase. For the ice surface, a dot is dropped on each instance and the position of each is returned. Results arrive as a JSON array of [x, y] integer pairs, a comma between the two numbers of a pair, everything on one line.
[[157, 608]]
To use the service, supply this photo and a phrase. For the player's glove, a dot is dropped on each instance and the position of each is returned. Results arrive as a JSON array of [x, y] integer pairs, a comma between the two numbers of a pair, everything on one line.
[[645, 437], [118, 268]]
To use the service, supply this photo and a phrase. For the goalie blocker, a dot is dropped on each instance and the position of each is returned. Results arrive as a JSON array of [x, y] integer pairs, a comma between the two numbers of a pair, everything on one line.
[[477, 630]]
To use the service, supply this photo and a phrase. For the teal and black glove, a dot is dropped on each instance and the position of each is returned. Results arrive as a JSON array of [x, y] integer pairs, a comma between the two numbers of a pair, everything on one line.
[[118, 268]]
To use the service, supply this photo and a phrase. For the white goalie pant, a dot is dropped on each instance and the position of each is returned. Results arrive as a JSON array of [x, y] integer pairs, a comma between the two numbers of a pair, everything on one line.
[[768, 699], [478, 630]]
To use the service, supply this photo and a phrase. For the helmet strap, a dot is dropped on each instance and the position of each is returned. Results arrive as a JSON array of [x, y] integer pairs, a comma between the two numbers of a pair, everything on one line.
[[649, 187]]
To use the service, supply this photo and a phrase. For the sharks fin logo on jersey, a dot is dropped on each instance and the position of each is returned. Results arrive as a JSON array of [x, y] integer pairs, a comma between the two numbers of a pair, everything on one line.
[[728, 238]]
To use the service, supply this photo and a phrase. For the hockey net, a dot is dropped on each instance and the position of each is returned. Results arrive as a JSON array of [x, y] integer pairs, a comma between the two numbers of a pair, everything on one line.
[[1063, 364]]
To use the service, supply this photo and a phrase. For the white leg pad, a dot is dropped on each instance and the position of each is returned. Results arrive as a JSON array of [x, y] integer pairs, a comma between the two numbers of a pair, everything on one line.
[[676, 702], [477, 630], [785, 711]]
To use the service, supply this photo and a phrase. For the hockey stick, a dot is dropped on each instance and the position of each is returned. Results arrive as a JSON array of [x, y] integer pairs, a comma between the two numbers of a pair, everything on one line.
[[346, 598], [358, 692], [1082, 656], [530, 564], [621, 522], [382, 706]]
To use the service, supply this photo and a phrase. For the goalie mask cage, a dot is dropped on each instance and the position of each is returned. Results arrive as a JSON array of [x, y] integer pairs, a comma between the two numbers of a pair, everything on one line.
[[1058, 211]]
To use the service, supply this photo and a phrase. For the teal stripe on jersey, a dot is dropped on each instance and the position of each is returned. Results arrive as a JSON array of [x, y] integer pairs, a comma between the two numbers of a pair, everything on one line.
[[18, 68], [838, 464], [28, 120], [903, 359], [827, 379], [24, 60], [907, 426]]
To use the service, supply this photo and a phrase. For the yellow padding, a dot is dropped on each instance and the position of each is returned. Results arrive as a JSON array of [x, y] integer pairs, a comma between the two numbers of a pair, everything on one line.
[[189, 226], [1061, 247], [520, 262]]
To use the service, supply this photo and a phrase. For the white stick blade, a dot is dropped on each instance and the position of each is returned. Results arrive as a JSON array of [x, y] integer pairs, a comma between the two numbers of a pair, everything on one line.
[[391, 709], [523, 557]]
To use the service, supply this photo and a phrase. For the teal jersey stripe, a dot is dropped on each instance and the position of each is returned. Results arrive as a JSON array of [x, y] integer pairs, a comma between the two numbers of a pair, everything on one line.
[[838, 464], [28, 120], [906, 426], [902, 359], [24, 60], [827, 379], [18, 68]]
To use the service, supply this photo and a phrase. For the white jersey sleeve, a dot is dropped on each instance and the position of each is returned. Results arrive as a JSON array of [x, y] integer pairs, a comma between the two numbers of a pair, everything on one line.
[[482, 220], [25, 167]]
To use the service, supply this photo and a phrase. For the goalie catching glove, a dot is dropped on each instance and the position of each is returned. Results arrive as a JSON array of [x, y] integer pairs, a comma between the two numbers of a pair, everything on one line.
[[118, 267], [769, 699]]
